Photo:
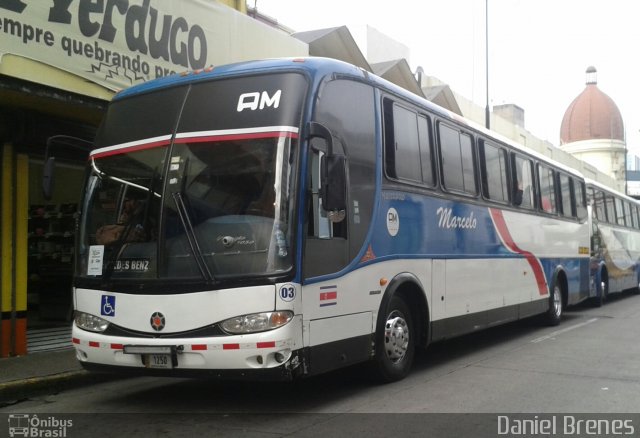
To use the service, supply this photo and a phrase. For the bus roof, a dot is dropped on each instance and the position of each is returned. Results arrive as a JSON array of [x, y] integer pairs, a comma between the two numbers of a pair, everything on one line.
[[608, 189], [314, 66]]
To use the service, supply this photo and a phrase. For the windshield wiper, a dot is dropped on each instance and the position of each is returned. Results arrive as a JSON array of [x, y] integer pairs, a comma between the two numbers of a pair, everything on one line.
[[191, 237]]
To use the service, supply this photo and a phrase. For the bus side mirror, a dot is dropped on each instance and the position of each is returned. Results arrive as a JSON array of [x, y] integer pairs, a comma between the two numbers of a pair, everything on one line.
[[333, 175], [316, 129], [50, 161], [47, 178]]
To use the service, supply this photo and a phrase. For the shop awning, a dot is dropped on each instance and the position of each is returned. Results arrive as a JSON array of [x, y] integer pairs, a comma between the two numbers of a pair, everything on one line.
[[336, 43], [29, 84], [398, 72], [443, 96]]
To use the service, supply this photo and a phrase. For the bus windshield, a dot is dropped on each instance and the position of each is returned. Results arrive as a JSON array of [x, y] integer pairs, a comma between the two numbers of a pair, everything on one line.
[[193, 183], [218, 210]]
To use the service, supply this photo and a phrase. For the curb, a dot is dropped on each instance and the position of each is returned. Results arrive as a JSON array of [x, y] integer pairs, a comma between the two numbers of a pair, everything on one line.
[[16, 391]]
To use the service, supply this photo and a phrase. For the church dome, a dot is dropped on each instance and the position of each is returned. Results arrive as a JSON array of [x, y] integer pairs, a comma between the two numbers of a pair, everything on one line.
[[591, 115]]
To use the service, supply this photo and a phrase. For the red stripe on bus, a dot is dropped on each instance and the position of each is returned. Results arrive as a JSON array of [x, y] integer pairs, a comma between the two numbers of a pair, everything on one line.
[[94, 344], [229, 137], [117, 347], [536, 266], [198, 347], [75, 341], [126, 150], [195, 139], [231, 346]]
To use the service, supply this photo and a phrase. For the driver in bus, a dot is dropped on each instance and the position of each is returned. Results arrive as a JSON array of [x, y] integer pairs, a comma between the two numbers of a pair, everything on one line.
[[129, 227]]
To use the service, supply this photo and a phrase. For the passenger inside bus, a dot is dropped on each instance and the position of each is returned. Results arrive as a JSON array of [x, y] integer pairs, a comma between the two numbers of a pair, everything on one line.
[[517, 196], [523, 187]]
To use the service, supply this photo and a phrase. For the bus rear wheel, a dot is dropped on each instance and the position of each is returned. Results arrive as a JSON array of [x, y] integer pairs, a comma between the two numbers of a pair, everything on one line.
[[394, 343], [603, 292], [554, 313]]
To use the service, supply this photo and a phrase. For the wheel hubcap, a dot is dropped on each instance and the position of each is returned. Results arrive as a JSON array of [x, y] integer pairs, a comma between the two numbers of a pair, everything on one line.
[[557, 300], [396, 337]]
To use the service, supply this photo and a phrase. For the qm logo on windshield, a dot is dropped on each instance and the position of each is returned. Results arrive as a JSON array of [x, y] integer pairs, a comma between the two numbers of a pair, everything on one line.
[[258, 101]]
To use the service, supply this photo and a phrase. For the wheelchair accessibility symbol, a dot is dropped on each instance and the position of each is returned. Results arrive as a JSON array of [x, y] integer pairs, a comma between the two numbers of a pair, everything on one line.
[[108, 305]]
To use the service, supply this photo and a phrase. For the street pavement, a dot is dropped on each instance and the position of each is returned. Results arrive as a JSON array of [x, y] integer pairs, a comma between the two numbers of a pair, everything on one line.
[[24, 376]]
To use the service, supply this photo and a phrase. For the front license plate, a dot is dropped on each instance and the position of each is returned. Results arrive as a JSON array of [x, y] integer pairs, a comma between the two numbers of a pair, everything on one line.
[[157, 361]]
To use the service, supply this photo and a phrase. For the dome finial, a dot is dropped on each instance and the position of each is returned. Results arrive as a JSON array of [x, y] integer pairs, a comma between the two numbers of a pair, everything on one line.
[[592, 75]]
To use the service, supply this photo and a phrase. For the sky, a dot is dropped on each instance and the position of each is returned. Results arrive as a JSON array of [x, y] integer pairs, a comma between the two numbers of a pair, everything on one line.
[[539, 50]]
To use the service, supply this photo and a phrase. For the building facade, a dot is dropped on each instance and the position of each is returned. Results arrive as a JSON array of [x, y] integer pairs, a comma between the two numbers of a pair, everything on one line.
[[60, 64], [592, 130]]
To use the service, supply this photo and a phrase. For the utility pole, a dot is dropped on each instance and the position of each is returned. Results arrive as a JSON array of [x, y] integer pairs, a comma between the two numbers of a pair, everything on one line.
[[487, 118]]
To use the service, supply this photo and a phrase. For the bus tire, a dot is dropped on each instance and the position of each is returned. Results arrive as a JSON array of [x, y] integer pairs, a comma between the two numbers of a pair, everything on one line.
[[394, 342], [598, 300], [603, 292], [554, 313]]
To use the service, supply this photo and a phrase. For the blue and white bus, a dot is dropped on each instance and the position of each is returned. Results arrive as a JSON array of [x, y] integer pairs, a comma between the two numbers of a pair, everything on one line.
[[284, 218], [615, 241]]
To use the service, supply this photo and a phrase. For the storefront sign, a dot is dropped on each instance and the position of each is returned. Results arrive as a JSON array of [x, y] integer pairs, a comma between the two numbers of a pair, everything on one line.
[[118, 43]]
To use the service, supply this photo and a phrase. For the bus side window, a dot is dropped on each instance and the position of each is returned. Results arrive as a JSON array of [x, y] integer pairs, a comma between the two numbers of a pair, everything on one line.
[[403, 150], [567, 207], [610, 209], [493, 165], [456, 153], [523, 189], [627, 214], [619, 212], [580, 200], [408, 154], [426, 154], [595, 198], [548, 202]]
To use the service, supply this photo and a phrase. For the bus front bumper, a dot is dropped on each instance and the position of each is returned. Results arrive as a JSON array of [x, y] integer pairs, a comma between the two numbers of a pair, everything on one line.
[[274, 355]]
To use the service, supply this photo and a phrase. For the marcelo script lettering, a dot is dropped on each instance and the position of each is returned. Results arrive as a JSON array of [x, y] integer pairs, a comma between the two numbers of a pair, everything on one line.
[[446, 219]]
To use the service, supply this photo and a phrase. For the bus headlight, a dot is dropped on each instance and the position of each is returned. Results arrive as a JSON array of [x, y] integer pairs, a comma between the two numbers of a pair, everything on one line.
[[89, 322], [256, 322]]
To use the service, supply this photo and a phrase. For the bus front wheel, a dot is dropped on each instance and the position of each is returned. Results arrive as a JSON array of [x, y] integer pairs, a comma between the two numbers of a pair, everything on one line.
[[394, 343]]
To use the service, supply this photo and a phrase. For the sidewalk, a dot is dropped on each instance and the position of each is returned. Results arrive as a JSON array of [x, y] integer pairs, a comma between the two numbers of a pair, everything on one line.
[[26, 376]]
